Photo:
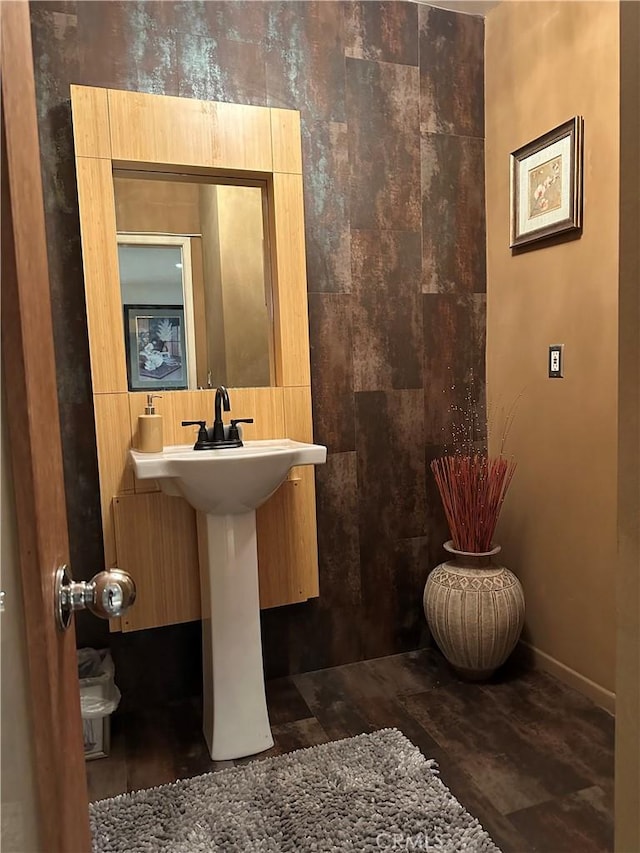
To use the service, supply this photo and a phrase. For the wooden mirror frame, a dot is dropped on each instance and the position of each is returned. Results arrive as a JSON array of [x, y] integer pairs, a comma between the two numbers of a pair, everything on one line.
[[116, 130], [127, 130]]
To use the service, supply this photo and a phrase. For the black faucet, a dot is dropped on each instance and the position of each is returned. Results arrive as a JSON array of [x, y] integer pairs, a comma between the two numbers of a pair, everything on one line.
[[215, 438], [222, 399]]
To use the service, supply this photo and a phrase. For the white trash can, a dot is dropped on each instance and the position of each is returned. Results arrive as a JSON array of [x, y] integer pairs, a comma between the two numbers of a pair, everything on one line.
[[99, 698]]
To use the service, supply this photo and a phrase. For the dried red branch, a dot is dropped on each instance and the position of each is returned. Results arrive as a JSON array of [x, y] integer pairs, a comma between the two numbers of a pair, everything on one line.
[[472, 489]]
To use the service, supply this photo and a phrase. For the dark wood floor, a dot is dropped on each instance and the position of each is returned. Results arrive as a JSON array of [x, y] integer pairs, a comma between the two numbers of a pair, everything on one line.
[[529, 757]]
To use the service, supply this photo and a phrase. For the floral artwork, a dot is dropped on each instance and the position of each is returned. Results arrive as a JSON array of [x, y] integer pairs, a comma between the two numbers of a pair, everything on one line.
[[158, 345], [155, 347], [545, 187]]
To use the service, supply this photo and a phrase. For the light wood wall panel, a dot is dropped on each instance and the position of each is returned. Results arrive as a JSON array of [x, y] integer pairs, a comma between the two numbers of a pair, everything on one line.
[[288, 542], [292, 317], [101, 275], [286, 141], [157, 544], [297, 413], [287, 538], [264, 405], [175, 407], [188, 406], [90, 113], [146, 532], [243, 137], [184, 131], [298, 419], [144, 129], [113, 439], [136, 404]]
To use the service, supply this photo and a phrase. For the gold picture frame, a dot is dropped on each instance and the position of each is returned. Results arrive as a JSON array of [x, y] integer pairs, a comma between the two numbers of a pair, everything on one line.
[[546, 185]]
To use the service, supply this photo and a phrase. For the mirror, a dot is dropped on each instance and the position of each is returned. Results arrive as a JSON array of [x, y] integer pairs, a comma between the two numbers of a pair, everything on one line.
[[127, 145], [194, 282]]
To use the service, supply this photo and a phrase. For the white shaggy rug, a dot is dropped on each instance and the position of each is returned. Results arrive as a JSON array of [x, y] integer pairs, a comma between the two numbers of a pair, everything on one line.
[[373, 792]]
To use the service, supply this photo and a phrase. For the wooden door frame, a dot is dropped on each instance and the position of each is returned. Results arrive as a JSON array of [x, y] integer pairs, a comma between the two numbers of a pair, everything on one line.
[[183, 241], [36, 453]]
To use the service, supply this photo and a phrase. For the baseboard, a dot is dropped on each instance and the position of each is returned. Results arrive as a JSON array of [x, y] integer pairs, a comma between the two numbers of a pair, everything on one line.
[[541, 660]]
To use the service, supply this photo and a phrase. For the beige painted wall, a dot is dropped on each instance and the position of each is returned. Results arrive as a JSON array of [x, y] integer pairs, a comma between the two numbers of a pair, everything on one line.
[[545, 62], [216, 348], [169, 207], [242, 263], [628, 662]]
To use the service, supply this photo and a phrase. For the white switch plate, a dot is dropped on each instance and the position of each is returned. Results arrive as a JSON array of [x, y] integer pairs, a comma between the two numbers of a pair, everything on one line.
[[556, 361]]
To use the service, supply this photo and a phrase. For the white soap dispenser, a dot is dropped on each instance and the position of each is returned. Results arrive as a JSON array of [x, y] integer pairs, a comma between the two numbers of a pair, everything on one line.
[[150, 428]]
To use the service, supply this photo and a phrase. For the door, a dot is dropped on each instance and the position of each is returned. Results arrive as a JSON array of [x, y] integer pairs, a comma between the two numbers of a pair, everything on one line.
[[19, 809], [36, 455]]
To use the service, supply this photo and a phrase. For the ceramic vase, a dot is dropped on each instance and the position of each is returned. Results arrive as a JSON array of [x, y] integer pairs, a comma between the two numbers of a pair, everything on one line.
[[475, 611]]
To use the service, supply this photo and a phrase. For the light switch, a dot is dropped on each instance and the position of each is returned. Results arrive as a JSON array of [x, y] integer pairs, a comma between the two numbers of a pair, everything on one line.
[[556, 365]]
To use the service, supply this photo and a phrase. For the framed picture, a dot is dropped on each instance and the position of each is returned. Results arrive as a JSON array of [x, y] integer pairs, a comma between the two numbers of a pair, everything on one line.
[[546, 185], [156, 347]]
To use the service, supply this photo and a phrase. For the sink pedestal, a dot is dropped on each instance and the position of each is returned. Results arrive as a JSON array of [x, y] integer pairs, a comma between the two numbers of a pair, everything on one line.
[[235, 718], [226, 487]]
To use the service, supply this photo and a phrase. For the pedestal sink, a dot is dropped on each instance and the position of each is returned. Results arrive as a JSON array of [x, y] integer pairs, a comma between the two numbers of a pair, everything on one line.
[[226, 487]]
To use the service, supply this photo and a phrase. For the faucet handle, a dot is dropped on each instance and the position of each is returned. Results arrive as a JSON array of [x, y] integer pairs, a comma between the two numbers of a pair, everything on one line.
[[234, 433], [203, 435]]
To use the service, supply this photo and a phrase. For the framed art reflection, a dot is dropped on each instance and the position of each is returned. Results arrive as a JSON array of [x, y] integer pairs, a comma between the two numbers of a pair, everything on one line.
[[156, 347]]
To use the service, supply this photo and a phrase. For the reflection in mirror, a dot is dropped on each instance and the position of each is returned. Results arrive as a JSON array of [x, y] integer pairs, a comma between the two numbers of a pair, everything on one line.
[[157, 297], [194, 283]]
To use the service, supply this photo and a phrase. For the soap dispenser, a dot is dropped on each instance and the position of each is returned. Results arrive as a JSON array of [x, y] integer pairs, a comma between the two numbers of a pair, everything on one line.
[[150, 428]]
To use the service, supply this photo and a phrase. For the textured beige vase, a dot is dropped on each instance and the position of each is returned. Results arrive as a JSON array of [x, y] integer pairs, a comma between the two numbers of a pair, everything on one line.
[[475, 611]]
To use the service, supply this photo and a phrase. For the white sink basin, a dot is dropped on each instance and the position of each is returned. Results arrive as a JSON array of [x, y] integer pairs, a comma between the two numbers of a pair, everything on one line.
[[227, 486], [229, 481]]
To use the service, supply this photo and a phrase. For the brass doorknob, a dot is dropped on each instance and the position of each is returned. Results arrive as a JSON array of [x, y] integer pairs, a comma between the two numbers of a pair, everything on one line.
[[107, 595]]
